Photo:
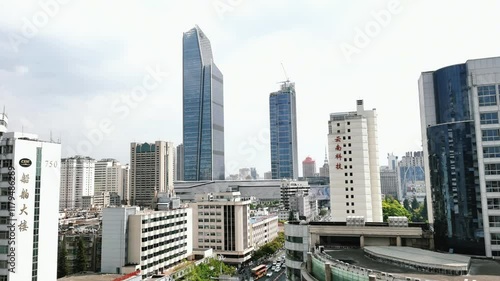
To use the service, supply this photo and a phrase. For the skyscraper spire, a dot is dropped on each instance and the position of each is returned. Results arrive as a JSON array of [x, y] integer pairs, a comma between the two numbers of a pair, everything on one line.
[[326, 156]]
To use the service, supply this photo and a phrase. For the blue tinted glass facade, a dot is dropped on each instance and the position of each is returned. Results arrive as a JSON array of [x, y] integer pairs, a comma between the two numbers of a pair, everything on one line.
[[283, 130], [203, 110], [453, 165]]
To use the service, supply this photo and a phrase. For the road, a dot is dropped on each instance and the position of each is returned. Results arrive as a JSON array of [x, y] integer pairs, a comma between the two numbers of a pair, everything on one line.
[[277, 276]]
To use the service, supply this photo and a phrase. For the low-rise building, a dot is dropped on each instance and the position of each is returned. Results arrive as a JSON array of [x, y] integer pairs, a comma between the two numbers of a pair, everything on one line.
[[149, 241], [263, 230], [221, 222]]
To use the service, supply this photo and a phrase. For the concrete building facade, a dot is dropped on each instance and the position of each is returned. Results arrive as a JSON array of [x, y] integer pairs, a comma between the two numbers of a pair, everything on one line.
[[77, 180], [264, 229], [29, 184], [308, 167], [354, 172], [109, 177], [221, 222], [151, 171]]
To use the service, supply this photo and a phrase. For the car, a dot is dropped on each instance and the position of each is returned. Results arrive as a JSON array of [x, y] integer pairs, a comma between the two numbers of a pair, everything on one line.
[[284, 265], [269, 274], [277, 269]]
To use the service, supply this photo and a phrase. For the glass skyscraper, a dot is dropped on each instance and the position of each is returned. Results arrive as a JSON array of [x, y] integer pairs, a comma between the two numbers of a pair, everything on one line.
[[461, 134], [203, 110], [283, 127]]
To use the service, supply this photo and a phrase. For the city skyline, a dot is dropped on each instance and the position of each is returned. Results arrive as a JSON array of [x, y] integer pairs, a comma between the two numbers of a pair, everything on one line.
[[61, 79]]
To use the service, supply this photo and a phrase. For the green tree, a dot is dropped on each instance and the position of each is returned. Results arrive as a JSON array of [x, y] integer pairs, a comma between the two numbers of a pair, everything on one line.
[[406, 204], [81, 257], [211, 268], [392, 207], [62, 264], [414, 203], [424, 211], [323, 212], [290, 216]]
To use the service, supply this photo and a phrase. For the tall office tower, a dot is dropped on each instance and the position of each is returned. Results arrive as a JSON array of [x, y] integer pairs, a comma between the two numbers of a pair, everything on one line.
[[308, 167], [125, 199], [151, 171], [283, 124], [222, 223], [411, 176], [325, 170], [179, 162], [460, 132], [389, 182], [392, 161], [108, 177], [30, 178], [354, 176], [203, 110], [77, 180], [253, 173]]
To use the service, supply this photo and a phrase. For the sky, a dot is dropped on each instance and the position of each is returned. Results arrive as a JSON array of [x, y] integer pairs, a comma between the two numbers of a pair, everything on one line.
[[98, 75]]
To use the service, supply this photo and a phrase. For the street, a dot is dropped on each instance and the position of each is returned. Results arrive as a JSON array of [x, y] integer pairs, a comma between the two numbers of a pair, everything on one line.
[[245, 273]]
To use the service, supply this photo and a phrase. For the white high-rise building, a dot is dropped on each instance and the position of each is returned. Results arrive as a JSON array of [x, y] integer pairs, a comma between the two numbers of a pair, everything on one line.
[[354, 168], [125, 184], [77, 180], [151, 171], [30, 178], [109, 177]]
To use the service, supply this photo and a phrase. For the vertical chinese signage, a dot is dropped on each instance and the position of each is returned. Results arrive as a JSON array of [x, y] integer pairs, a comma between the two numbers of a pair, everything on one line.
[[338, 154]]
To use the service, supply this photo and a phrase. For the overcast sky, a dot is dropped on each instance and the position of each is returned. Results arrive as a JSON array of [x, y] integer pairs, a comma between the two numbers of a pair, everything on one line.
[[77, 68]]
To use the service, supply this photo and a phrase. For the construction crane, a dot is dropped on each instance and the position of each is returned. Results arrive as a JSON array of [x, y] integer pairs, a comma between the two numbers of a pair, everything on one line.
[[286, 76]]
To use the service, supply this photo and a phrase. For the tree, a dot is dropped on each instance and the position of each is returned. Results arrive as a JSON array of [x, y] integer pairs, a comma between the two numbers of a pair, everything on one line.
[[323, 212], [208, 269], [392, 208], [62, 265], [414, 203], [424, 211], [81, 257], [290, 216], [406, 204]]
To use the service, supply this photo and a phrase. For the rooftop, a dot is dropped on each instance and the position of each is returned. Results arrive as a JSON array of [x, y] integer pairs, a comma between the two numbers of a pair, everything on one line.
[[91, 277]]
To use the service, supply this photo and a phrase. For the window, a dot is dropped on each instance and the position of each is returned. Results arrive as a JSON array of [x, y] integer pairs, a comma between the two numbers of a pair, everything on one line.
[[352, 203], [494, 221], [492, 186], [347, 211], [347, 203], [352, 196], [347, 196], [3, 249], [492, 169], [487, 95], [348, 123], [4, 234], [4, 205], [346, 189], [495, 238], [7, 163], [491, 135], [348, 130], [494, 203], [491, 152], [338, 124], [3, 264], [489, 118], [353, 211]]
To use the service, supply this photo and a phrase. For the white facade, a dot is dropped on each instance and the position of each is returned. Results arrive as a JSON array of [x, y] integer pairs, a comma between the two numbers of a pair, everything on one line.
[[263, 230], [297, 241], [77, 180], [163, 237], [109, 177], [221, 222], [151, 171], [28, 212], [114, 238], [291, 188], [354, 171]]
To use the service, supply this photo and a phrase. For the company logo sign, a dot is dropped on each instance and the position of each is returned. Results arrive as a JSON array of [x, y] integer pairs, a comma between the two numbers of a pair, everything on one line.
[[25, 162]]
